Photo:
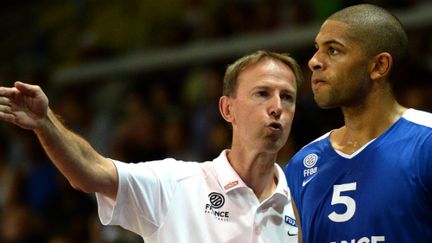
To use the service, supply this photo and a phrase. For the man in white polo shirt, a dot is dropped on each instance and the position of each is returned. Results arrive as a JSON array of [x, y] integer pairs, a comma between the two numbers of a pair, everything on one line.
[[241, 196]]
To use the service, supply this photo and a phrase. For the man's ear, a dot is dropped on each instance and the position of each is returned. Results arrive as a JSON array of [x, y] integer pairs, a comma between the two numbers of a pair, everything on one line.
[[381, 65], [225, 108]]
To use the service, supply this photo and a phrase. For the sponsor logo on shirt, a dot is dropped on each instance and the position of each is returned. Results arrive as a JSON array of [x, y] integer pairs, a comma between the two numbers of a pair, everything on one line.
[[311, 169], [216, 201], [308, 179], [292, 222], [231, 185]]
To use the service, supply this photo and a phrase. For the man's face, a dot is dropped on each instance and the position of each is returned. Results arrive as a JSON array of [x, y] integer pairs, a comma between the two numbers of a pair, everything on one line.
[[263, 106], [339, 67]]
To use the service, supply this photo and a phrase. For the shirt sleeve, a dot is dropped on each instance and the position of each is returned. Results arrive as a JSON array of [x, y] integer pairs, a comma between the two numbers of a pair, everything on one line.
[[143, 196]]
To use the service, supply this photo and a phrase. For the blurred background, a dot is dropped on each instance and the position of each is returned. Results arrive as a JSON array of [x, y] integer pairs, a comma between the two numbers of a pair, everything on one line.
[[141, 81]]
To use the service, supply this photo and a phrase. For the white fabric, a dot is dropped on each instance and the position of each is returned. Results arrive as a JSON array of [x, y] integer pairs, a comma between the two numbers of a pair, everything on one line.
[[169, 201], [419, 117]]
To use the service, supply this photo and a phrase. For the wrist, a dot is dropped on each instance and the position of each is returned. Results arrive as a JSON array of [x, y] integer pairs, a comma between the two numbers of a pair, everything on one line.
[[46, 123]]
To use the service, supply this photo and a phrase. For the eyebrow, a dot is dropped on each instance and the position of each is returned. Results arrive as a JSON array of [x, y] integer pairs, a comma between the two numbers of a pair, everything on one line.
[[330, 42], [267, 87]]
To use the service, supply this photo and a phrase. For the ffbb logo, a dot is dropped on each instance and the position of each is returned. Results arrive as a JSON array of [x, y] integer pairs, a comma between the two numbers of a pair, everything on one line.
[[216, 201]]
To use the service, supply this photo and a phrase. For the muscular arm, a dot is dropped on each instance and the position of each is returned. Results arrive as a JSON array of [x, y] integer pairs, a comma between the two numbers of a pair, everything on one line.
[[84, 168], [27, 106]]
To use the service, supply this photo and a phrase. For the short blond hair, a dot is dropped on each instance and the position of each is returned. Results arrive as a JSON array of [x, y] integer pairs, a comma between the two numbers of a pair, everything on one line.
[[233, 70]]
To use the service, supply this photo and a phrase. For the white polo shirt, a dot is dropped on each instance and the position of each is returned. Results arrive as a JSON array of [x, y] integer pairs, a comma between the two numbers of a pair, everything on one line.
[[176, 201]]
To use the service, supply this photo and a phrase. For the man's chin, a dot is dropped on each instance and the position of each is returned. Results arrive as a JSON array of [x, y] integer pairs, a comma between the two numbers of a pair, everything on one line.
[[325, 104], [275, 146]]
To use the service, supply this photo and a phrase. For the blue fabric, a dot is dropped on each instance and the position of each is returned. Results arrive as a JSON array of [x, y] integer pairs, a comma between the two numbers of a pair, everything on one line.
[[383, 193]]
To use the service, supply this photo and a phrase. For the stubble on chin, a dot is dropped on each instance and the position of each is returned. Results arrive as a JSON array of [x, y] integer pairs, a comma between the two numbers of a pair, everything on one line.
[[327, 100]]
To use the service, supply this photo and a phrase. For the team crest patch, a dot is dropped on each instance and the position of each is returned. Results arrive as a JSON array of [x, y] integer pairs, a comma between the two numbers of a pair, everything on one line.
[[216, 201], [310, 160], [311, 169]]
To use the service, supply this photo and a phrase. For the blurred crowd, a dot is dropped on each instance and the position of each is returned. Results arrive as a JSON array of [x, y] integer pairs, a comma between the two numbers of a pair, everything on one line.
[[167, 112]]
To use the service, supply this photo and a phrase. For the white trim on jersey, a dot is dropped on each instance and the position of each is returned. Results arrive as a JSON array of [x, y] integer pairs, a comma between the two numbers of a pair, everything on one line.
[[418, 117]]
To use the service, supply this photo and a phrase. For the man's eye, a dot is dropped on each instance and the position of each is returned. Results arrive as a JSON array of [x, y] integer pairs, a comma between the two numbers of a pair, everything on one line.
[[333, 51], [261, 94], [287, 97]]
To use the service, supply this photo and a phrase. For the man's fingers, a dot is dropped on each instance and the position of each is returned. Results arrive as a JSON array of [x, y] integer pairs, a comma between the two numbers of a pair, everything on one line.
[[7, 92], [26, 89], [6, 115], [4, 101], [20, 87], [5, 108]]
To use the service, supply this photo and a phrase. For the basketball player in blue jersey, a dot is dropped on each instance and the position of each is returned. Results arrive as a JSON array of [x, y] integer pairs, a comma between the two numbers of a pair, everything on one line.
[[371, 179]]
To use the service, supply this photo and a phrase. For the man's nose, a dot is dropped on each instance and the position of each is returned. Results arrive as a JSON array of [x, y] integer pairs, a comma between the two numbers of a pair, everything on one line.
[[276, 107], [315, 63]]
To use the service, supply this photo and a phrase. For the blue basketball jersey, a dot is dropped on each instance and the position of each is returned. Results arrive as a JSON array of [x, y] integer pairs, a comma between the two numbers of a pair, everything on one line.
[[381, 193]]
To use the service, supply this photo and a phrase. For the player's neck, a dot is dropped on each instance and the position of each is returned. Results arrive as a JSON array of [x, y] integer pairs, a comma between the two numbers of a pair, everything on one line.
[[365, 123], [372, 118]]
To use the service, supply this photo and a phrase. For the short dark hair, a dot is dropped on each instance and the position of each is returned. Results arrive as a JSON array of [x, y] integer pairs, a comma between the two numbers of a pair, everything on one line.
[[233, 70], [377, 30]]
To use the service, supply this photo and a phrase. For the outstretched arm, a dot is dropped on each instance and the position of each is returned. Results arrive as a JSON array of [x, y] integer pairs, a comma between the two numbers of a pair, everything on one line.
[[27, 106]]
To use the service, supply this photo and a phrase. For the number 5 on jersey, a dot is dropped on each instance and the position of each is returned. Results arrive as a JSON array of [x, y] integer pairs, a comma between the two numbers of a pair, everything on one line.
[[345, 200]]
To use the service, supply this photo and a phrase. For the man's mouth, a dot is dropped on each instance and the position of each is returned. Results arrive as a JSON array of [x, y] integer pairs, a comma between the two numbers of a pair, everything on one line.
[[316, 81], [275, 126]]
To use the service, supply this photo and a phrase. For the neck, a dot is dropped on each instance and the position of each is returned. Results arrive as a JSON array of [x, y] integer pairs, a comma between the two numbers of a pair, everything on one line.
[[257, 170], [364, 123]]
